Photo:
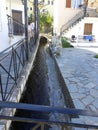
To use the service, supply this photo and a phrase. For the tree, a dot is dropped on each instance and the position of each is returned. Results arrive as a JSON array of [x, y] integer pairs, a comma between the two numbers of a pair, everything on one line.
[[45, 22]]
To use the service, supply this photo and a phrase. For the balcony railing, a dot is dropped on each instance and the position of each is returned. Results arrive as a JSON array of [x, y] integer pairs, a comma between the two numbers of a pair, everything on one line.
[[85, 12], [72, 22], [14, 27]]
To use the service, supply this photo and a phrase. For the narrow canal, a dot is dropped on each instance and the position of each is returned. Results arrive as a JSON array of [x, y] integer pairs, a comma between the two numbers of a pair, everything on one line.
[[43, 88]]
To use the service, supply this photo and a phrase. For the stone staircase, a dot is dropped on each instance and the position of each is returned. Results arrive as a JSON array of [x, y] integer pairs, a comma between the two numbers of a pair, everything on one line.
[[72, 25], [77, 30], [72, 22]]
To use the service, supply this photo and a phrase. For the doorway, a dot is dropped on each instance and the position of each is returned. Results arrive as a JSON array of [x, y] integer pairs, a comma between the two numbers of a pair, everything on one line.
[[88, 28], [17, 22]]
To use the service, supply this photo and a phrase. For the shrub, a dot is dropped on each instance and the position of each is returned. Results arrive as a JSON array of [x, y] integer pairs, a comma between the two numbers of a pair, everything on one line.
[[65, 43], [96, 56]]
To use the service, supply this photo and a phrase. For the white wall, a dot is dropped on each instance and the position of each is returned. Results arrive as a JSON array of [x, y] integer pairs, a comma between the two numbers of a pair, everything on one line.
[[62, 14], [95, 30], [78, 29], [3, 26], [59, 13], [56, 16], [6, 7], [14, 5]]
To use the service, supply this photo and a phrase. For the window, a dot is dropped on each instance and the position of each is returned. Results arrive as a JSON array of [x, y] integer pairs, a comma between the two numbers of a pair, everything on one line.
[[30, 8], [49, 2], [17, 23], [43, 10], [68, 3]]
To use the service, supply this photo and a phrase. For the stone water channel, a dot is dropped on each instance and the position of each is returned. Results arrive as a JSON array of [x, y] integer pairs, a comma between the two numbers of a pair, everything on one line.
[[44, 87]]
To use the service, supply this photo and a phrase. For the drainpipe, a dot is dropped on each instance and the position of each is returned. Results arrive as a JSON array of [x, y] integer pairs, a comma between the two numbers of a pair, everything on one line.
[[36, 18], [85, 7], [10, 13]]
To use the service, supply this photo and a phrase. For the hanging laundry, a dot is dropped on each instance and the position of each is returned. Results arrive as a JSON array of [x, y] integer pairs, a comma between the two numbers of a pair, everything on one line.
[[76, 3]]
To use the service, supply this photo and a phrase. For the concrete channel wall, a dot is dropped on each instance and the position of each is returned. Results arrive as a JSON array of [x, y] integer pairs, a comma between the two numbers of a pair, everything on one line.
[[67, 97]]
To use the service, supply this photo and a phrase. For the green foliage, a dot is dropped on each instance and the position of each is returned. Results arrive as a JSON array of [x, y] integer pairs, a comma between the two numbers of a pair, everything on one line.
[[30, 18], [96, 56], [65, 43], [45, 22]]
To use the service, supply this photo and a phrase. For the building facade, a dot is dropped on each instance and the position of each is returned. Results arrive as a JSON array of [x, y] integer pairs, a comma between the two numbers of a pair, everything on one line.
[[11, 19], [3, 26], [68, 12]]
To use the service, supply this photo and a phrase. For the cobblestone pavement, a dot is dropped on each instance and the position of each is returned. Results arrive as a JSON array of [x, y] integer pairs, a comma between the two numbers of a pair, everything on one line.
[[80, 71]]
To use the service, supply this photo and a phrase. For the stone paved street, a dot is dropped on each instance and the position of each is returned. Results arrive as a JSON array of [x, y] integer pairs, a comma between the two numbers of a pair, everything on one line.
[[80, 71]]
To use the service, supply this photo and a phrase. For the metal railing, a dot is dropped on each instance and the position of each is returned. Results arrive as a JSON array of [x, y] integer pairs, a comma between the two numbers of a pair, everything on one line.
[[15, 27], [41, 123], [12, 61], [14, 58], [85, 12], [72, 21]]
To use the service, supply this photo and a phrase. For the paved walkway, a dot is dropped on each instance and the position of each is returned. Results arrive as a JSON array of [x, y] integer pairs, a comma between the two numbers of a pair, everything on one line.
[[80, 71]]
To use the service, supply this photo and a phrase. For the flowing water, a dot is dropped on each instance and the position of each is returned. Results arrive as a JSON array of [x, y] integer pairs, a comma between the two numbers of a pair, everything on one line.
[[43, 88]]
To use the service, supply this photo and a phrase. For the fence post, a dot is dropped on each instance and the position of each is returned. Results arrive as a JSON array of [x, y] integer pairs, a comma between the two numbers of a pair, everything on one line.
[[26, 28]]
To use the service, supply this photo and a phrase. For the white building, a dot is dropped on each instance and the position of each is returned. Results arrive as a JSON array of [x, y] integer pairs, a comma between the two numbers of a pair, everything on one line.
[[64, 10], [8, 9], [3, 26], [69, 12], [46, 5]]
